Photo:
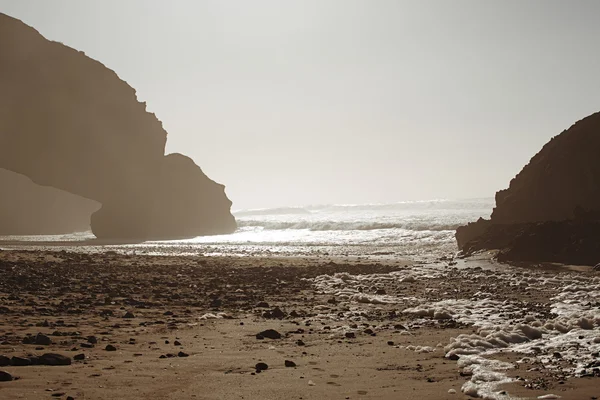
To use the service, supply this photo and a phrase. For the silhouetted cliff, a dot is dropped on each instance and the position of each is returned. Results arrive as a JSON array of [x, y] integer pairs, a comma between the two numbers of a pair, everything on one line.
[[69, 122], [30, 209], [555, 197]]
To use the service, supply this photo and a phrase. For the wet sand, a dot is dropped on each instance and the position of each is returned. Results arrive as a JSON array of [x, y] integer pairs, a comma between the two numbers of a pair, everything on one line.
[[186, 328]]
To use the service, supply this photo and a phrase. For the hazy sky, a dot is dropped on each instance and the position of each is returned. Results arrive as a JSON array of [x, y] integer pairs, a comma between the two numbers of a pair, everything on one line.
[[345, 101]]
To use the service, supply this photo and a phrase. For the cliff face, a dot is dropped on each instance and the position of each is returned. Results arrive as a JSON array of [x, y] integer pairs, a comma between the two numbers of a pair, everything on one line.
[[563, 177], [555, 197], [69, 122], [177, 190], [30, 209]]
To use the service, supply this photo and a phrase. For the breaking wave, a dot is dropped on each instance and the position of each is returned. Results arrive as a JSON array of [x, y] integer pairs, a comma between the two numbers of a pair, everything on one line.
[[348, 225]]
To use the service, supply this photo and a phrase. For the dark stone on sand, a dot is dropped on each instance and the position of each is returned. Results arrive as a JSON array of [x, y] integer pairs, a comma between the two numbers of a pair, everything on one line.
[[390, 343], [290, 363], [42, 339], [92, 339], [216, 303], [177, 343], [275, 313], [5, 376], [79, 357], [4, 361], [270, 334], [182, 354], [20, 361], [54, 359], [262, 304], [453, 357], [162, 356], [129, 315], [87, 345], [368, 331], [350, 335], [261, 366], [300, 343], [110, 347]]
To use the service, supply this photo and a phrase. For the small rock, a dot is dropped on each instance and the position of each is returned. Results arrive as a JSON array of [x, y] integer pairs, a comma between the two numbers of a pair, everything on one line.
[[177, 343], [42, 339], [4, 361], [92, 339], [290, 364], [261, 366], [300, 342], [275, 313], [390, 343], [350, 335], [262, 304], [20, 361], [129, 315], [110, 347], [270, 334], [79, 357], [54, 359], [87, 345], [451, 391], [182, 354], [453, 357], [5, 376]]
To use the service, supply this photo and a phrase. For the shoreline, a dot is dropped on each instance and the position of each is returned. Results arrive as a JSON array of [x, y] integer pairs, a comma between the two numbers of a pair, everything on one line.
[[358, 339]]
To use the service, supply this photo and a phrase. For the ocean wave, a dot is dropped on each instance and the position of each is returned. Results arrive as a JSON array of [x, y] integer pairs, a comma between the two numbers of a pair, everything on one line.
[[348, 225], [440, 204], [273, 211]]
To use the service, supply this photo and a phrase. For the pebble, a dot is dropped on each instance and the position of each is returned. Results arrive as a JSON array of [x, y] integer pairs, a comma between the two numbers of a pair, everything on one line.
[[54, 359], [42, 339], [129, 314], [5, 376], [177, 343], [182, 354], [290, 363], [79, 357], [4, 361], [269, 333], [261, 366], [110, 347], [20, 361]]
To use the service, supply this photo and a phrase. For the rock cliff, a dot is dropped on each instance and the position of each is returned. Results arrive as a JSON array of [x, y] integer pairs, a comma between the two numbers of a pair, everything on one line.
[[550, 210], [69, 122], [30, 209]]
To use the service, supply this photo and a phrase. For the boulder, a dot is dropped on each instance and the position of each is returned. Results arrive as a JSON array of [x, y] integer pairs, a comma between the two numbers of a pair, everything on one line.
[[551, 210], [69, 122]]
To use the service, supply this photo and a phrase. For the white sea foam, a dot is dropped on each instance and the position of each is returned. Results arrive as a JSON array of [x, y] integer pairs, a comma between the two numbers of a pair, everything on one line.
[[568, 334]]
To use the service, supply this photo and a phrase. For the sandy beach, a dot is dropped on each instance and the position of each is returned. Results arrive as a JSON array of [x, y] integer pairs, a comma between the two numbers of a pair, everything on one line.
[[186, 328]]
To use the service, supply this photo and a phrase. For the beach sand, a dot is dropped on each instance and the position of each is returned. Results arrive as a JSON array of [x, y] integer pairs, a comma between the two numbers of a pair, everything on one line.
[[186, 328]]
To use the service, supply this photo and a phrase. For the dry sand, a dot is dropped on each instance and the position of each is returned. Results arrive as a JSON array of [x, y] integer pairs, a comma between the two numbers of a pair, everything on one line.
[[192, 324]]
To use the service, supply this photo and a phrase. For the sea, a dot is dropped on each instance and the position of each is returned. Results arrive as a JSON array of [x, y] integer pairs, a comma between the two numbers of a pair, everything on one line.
[[411, 229]]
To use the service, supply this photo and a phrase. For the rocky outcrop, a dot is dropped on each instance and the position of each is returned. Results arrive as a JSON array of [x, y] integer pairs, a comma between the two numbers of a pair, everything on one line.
[[30, 209], [551, 209], [69, 122], [178, 189]]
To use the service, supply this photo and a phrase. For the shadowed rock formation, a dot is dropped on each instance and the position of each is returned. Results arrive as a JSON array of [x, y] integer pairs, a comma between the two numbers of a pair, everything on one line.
[[30, 209], [551, 210], [69, 122]]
